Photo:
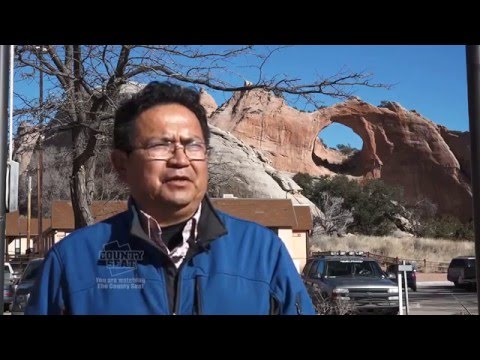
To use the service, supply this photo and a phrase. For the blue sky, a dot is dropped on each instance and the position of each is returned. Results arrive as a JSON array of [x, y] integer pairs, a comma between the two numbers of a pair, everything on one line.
[[430, 79]]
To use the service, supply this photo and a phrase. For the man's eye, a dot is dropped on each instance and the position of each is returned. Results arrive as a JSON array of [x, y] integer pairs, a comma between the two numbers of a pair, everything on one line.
[[159, 146], [195, 146]]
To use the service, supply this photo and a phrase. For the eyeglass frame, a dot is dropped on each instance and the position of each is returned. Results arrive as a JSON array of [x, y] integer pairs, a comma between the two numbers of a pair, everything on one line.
[[172, 149]]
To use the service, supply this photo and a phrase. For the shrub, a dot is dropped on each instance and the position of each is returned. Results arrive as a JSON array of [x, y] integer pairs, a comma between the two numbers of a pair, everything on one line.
[[346, 149], [327, 306], [373, 206], [448, 227]]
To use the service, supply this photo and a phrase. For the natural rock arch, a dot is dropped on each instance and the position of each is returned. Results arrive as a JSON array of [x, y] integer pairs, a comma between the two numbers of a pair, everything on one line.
[[399, 146]]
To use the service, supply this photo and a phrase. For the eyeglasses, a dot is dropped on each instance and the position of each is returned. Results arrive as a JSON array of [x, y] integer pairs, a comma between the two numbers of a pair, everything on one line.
[[166, 150]]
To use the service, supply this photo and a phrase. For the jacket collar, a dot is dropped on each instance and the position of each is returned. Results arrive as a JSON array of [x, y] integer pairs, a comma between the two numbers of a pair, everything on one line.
[[210, 226]]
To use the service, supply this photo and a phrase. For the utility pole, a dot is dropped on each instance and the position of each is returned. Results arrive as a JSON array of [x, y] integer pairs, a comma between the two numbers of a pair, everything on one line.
[[29, 210], [40, 239], [473, 83], [39, 192], [4, 72]]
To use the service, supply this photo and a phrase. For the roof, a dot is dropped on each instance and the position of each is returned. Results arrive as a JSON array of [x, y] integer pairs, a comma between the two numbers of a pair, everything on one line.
[[346, 258], [304, 218], [63, 218], [62, 215], [16, 225], [267, 212]]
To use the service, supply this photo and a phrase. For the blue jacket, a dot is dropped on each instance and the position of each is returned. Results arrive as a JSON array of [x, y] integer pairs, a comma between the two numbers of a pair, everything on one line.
[[235, 267]]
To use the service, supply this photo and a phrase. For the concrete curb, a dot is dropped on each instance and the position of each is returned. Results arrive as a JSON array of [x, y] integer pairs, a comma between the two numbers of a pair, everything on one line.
[[434, 283]]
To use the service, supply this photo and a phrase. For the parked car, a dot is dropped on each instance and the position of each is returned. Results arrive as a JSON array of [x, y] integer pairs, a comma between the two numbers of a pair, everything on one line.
[[24, 286], [348, 279], [7, 286], [462, 273], [18, 269], [411, 276], [7, 295], [8, 271]]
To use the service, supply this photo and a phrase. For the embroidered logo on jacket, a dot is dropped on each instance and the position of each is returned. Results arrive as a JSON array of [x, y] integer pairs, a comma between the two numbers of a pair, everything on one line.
[[120, 259]]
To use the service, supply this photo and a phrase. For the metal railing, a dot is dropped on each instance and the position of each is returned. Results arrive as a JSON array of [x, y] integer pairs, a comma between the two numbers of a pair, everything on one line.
[[422, 265]]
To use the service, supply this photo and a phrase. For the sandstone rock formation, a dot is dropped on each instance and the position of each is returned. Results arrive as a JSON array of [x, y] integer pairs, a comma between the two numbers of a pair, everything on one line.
[[208, 102], [265, 122], [399, 146], [238, 169]]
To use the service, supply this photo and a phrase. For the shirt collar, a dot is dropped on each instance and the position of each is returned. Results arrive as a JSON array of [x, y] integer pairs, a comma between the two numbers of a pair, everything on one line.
[[147, 228]]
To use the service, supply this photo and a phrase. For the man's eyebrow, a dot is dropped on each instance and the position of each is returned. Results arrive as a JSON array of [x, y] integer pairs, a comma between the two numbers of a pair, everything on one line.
[[168, 138], [192, 139], [159, 139]]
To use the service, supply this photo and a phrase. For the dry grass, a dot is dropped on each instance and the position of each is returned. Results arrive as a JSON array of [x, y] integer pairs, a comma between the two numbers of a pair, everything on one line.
[[437, 250]]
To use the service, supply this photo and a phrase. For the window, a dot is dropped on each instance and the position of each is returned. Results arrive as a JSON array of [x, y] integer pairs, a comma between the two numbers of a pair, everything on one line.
[[353, 268], [307, 267], [32, 270], [313, 270], [337, 268], [321, 267], [363, 269]]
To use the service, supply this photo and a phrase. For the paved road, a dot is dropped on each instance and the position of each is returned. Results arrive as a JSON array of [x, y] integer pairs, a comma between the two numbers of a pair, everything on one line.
[[439, 298], [442, 298]]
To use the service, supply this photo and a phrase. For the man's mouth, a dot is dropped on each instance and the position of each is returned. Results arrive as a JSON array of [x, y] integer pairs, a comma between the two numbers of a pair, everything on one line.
[[177, 179]]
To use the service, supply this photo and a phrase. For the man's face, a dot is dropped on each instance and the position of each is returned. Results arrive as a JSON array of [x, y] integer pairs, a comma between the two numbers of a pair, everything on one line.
[[176, 182]]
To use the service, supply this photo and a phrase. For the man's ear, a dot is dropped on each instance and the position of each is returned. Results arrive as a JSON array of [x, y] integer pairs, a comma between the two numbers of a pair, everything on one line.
[[119, 160]]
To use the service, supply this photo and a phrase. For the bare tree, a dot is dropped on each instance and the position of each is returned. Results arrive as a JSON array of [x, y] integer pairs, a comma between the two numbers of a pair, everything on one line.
[[85, 84], [107, 184], [57, 168], [57, 160], [334, 219], [420, 214]]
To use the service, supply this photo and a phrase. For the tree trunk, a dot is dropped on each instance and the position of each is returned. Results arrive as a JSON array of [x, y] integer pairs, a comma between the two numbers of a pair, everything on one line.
[[82, 180], [91, 166], [80, 198]]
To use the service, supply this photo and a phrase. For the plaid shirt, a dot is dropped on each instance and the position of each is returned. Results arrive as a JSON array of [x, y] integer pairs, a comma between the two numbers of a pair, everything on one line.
[[153, 232]]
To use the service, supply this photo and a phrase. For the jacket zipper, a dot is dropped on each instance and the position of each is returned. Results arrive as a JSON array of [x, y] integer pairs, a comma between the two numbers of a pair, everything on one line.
[[177, 281], [298, 304], [197, 306], [167, 284], [275, 305]]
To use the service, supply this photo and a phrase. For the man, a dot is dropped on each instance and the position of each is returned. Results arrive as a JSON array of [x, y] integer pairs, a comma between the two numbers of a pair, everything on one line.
[[171, 252]]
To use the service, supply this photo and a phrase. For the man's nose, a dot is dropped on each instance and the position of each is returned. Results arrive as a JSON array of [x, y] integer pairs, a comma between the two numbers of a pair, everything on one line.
[[179, 157]]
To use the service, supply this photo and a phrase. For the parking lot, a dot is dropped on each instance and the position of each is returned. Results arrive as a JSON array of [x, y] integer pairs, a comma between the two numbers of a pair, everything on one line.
[[442, 298], [438, 298]]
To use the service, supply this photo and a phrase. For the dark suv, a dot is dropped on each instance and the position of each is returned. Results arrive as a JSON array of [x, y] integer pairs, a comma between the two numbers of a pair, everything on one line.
[[411, 276], [24, 286], [461, 272], [349, 280]]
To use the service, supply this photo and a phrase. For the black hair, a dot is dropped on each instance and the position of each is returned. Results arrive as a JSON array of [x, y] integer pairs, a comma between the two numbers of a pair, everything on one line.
[[155, 93]]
